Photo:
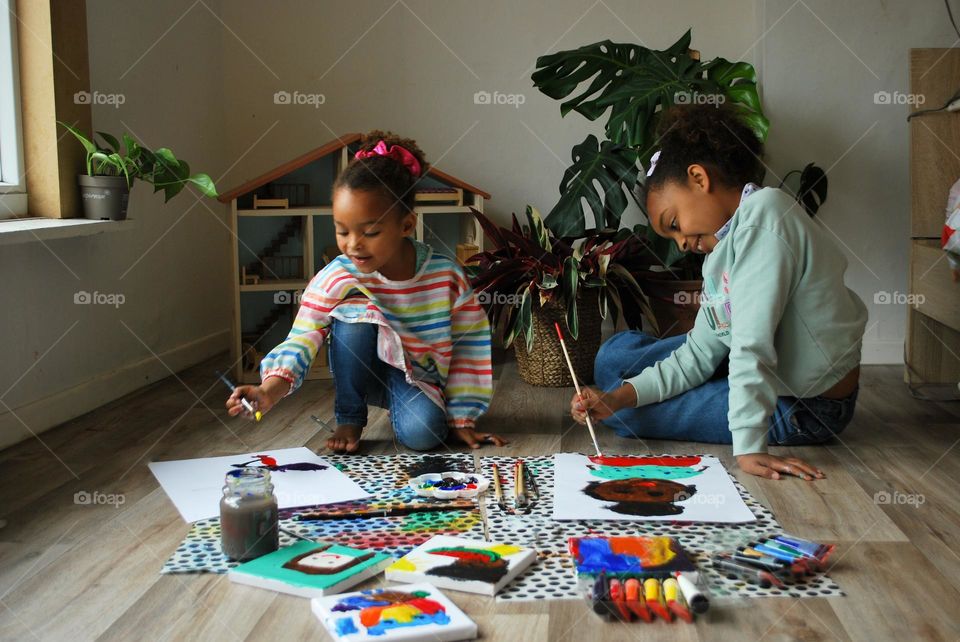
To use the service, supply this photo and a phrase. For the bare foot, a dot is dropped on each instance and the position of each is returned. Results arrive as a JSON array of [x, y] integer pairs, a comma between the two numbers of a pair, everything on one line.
[[345, 439]]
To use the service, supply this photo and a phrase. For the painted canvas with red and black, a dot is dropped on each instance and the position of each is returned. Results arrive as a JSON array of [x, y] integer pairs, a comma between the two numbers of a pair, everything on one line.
[[688, 488], [462, 564]]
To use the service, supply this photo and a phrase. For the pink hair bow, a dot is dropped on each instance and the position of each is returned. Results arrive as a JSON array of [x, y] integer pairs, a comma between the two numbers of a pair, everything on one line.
[[397, 153]]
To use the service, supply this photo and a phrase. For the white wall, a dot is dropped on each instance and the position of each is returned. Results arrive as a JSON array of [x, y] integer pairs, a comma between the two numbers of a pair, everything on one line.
[[205, 85], [821, 63], [60, 359]]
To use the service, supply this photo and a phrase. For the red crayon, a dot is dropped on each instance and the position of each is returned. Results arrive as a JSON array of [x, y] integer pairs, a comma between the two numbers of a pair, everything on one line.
[[635, 600]]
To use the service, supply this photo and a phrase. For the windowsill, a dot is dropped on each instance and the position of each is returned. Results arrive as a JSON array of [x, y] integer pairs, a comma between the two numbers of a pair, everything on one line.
[[26, 230]]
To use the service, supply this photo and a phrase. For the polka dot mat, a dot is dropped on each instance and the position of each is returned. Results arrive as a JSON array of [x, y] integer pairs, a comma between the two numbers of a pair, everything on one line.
[[553, 576], [385, 478]]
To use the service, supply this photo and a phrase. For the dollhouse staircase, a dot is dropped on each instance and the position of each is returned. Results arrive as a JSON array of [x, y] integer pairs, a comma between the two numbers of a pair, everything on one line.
[[287, 232], [266, 323]]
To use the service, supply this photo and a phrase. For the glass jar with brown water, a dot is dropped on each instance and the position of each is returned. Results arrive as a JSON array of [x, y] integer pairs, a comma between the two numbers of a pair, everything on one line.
[[249, 526]]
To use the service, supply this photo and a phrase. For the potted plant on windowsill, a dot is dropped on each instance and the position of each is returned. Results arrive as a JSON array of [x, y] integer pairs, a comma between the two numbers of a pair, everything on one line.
[[633, 86], [111, 170], [531, 279]]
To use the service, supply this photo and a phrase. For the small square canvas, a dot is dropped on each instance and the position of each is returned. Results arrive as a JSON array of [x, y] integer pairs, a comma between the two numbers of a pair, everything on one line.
[[656, 556], [311, 569], [414, 612], [462, 564]]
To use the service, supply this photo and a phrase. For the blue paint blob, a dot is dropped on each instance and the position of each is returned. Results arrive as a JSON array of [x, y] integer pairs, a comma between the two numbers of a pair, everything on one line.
[[345, 626]]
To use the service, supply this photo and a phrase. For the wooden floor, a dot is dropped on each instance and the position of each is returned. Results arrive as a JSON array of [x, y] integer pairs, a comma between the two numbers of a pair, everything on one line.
[[75, 572]]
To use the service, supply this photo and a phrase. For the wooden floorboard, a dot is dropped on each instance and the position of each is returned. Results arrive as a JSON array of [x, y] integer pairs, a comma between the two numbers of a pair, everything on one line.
[[76, 572]]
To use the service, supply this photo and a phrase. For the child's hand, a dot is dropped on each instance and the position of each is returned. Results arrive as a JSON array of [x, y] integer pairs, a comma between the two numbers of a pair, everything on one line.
[[261, 397], [600, 404], [772, 467], [472, 438]]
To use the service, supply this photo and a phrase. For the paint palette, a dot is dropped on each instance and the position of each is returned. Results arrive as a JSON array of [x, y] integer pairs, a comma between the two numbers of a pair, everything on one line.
[[448, 485], [414, 612]]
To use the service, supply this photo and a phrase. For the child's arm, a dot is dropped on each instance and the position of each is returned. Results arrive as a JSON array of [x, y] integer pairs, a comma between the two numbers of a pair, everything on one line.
[[469, 386], [290, 361], [690, 365]]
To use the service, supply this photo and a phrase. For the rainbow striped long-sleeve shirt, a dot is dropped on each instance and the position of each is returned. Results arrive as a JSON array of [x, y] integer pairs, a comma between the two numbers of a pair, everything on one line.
[[431, 327]]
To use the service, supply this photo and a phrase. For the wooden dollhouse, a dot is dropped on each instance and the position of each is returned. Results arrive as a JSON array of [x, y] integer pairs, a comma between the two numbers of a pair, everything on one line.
[[283, 235]]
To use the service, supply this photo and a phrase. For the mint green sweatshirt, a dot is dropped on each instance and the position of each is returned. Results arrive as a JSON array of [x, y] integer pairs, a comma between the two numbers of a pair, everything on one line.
[[774, 302]]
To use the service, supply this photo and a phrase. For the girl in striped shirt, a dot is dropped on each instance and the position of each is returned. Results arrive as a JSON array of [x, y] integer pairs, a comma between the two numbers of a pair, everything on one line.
[[406, 331]]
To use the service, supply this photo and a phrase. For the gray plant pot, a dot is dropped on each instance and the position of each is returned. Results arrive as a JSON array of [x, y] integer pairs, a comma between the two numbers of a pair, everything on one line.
[[104, 197]]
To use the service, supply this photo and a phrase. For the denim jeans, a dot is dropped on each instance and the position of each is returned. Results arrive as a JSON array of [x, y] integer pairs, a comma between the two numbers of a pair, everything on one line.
[[361, 377], [700, 414]]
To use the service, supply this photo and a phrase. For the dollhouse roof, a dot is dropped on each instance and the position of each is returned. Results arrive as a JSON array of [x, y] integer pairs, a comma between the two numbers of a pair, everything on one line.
[[324, 150]]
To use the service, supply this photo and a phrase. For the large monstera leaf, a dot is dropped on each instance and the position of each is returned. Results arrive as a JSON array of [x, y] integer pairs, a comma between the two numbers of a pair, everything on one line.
[[596, 179], [634, 83]]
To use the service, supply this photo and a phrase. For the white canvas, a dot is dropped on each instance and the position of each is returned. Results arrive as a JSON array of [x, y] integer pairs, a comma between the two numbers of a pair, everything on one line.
[[196, 485], [505, 562], [701, 492], [399, 621]]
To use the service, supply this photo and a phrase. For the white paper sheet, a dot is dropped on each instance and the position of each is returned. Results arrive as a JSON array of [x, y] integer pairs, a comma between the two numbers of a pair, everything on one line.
[[681, 488], [196, 485]]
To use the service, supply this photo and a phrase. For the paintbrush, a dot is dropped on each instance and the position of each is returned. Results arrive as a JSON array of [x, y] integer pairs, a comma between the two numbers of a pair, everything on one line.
[[573, 375], [498, 489], [246, 404], [398, 511], [297, 535], [519, 488]]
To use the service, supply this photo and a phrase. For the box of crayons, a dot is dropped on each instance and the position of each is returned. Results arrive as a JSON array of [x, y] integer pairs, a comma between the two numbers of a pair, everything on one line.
[[774, 560], [645, 598]]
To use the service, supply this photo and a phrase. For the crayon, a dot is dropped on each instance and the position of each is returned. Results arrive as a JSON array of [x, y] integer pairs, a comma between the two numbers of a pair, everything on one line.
[[754, 557], [729, 566], [804, 546], [600, 595], [635, 602], [773, 549], [694, 597], [653, 595], [618, 598], [674, 599]]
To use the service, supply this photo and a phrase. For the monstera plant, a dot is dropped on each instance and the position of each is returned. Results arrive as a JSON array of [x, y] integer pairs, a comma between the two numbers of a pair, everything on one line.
[[632, 86]]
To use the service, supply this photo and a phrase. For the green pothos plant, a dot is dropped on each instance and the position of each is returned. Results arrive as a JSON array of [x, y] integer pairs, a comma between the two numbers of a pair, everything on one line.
[[529, 262], [633, 86]]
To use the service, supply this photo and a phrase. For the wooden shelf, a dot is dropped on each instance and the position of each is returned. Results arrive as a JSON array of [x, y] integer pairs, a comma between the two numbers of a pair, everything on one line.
[[268, 285], [316, 210]]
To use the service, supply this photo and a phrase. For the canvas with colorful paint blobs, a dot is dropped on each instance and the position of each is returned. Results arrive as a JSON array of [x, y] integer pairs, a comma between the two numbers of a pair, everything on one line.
[[311, 569], [462, 564], [614, 556], [409, 612]]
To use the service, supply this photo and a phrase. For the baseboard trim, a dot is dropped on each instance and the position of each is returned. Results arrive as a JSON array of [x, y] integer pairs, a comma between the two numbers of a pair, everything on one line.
[[50, 411]]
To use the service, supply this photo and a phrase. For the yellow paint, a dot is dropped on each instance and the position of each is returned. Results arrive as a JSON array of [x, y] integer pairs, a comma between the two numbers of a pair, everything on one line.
[[403, 565], [402, 613], [505, 550]]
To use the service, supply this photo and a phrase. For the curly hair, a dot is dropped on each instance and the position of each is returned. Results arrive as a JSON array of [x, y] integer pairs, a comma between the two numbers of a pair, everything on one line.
[[713, 136], [383, 174]]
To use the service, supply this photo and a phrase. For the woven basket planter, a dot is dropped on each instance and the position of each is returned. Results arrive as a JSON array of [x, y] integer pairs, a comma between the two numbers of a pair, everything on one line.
[[545, 365]]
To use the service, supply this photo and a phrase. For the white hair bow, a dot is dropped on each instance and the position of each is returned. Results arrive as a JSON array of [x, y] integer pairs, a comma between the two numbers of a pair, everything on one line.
[[653, 162]]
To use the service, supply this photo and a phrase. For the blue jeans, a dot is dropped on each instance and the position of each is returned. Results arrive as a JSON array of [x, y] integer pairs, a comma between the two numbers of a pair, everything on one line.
[[361, 378], [700, 414]]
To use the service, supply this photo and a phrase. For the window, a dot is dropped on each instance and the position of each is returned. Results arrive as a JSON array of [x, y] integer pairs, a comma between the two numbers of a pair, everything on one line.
[[13, 188]]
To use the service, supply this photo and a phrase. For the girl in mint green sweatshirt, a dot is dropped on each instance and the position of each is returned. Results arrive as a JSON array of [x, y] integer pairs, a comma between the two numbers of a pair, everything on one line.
[[774, 355]]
